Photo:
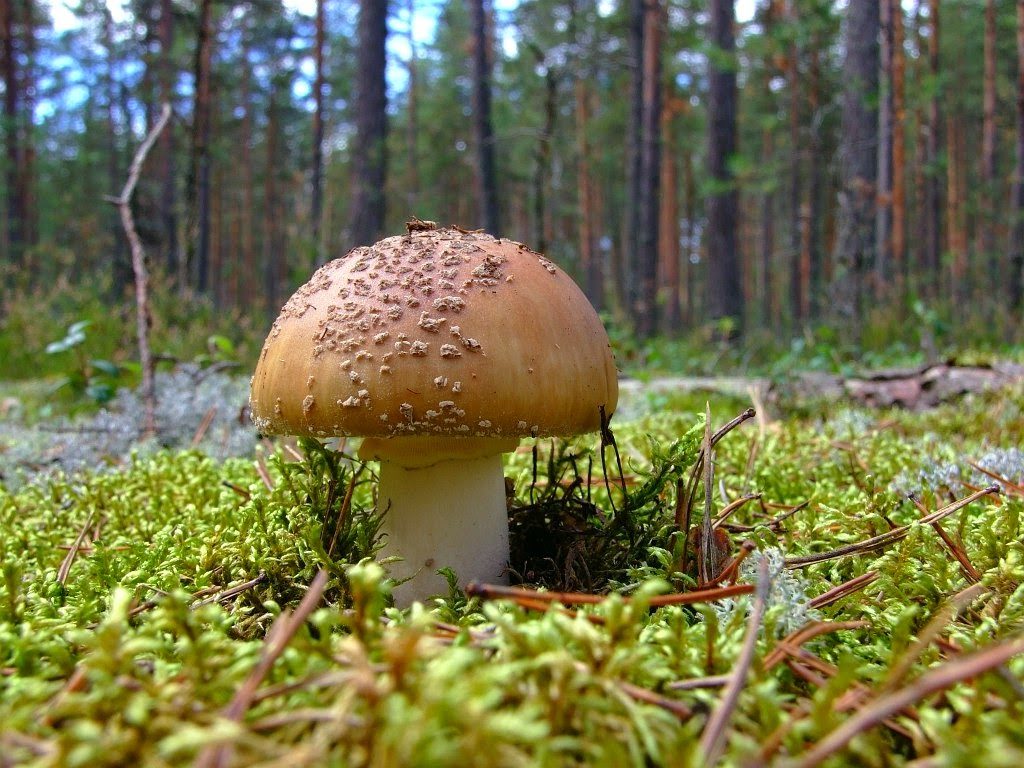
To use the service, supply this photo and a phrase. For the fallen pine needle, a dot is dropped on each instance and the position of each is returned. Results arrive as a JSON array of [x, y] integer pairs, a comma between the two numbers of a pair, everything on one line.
[[936, 680]]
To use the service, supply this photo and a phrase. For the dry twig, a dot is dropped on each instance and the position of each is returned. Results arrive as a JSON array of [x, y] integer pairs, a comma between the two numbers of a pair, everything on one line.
[[712, 740], [142, 312]]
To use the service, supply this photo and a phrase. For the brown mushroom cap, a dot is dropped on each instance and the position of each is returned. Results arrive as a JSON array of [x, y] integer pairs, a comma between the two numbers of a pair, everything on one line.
[[438, 332]]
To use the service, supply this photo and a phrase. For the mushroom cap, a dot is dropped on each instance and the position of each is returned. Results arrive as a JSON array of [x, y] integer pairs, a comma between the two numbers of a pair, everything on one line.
[[438, 332]]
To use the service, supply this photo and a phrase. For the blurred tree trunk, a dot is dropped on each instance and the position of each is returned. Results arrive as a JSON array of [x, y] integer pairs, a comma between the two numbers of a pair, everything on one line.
[[899, 150], [989, 193], [858, 158], [121, 267], [369, 152], [412, 184], [932, 212], [668, 226], [690, 237], [590, 259], [626, 282], [486, 172], [168, 150], [797, 290], [1017, 237], [955, 194], [542, 153], [271, 253], [316, 195], [883, 211], [28, 149], [725, 293], [199, 161], [812, 260], [646, 307], [12, 119], [248, 281], [767, 233]]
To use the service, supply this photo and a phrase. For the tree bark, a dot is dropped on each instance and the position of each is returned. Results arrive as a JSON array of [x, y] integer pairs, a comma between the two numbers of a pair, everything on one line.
[[12, 119], [271, 253], [627, 283], [249, 277], [121, 268], [858, 158], [899, 150], [542, 153], [412, 184], [1017, 239], [168, 149], [28, 149], [932, 199], [590, 260], [883, 211], [797, 292], [316, 195], [725, 292], [989, 193], [645, 309], [668, 227], [487, 174], [369, 153], [199, 165], [767, 230]]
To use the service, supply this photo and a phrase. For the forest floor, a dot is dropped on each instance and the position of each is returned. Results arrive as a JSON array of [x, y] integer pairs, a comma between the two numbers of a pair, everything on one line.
[[161, 603]]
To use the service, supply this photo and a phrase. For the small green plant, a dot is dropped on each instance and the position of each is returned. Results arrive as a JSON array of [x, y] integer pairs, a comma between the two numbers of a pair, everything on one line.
[[93, 378]]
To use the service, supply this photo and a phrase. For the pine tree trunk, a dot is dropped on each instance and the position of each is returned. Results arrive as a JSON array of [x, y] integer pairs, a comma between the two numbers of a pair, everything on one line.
[[121, 267], [412, 184], [766, 237], [199, 165], [725, 291], [249, 268], [689, 237], [271, 254], [899, 150], [542, 155], [954, 212], [168, 150], [645, 309], [932, 198], [28, 88], [883, 214], [797, 299], [668, 226], [1017, 238], [590, 262], [626, 281], [989, 193], [316, 194], [12, 118], [858, 159], [369, 152], [487, 174], [812, 260]]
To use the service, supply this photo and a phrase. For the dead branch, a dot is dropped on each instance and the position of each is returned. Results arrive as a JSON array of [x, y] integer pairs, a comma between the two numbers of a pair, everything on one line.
[[143, 317]]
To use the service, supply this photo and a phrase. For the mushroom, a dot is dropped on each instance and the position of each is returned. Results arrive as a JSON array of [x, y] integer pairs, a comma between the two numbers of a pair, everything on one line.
[[441, 348]]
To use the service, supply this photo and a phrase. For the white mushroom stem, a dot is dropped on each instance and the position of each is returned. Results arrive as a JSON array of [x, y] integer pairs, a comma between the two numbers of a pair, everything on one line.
[[443, 506]]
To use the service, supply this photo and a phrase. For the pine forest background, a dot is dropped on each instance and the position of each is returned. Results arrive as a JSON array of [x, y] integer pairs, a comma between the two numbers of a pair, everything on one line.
[[846, 165]]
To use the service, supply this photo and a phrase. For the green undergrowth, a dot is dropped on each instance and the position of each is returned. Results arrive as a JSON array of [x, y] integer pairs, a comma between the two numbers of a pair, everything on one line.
[[129, 651]]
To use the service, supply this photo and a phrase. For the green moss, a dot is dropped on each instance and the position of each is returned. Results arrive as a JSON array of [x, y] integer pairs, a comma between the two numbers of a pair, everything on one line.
[[132, 659]]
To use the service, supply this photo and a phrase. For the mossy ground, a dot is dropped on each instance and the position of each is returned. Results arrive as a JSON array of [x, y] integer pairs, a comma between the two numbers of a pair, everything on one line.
[[120, 646]]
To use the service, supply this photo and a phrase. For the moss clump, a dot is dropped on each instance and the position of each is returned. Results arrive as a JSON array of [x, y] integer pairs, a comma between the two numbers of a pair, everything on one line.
[[132, 649]]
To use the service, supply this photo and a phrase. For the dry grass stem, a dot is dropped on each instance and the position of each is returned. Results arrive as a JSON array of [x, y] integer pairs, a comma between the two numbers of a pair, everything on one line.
[[712, 740]]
